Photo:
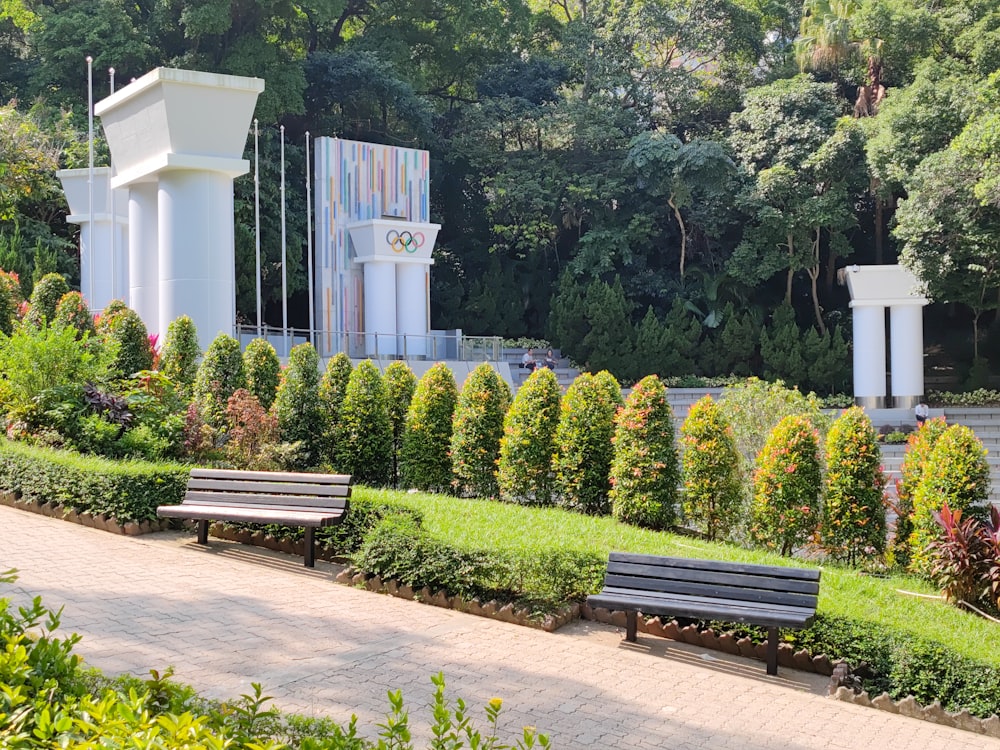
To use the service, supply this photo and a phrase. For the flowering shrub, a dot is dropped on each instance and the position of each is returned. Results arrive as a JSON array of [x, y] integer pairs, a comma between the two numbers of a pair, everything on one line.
[[477, 430], [72, 311], [787, 482], [713, 487], [957, 474], [219, 376], [918, 452], [961, 556], [426, 455], [263, 370], [332, 389], [181, 350], [583, 448], [644, 470], [400, 384], [525, 467], [365, 436], [11, 282], [297, 404], [854, 509]]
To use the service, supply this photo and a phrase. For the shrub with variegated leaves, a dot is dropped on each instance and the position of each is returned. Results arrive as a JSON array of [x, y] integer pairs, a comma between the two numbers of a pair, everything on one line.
[[297, 404], [263, 370], [72, 311], [713, 484], [332, 390], [919, 446], [529, 429], [644, 470], [400, 385], [853, 508], [477, 430], [785, 510], [365, 436], [425, 460]]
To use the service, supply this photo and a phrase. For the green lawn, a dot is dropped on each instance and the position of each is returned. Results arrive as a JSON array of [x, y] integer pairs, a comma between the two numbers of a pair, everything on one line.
[[472, 523]]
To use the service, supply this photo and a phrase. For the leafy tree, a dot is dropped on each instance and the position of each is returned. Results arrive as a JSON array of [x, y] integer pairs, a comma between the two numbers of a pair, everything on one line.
[[332, 389], [785, 511], [529, 427], [609, 344], [220, 375], [583, 447], [263, 370], [365, 450], [426, 453], [644, 470], [477, 430], [713, 487], [853, 526], [181, 351], [297, 406], [400, 385]]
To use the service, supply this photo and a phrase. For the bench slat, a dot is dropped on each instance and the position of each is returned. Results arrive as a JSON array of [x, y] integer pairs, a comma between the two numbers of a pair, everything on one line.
[[696, 588], [251, 515], [808, 574], [246, 498], [274, 488], [683, 600], [288, 477], [705, 611], [734, 578]]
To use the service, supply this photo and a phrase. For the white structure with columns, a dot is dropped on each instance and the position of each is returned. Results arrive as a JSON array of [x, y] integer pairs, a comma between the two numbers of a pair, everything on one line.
[[873, 289], [177, 140], [103, 234]]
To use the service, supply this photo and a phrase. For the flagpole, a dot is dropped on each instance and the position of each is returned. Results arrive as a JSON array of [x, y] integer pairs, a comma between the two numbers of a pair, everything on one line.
[[256, 209], [90, 181], [284, 270], [114, 216], [309, 242]]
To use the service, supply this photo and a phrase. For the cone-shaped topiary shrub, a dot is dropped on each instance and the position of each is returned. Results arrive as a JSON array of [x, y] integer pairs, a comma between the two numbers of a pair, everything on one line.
[[365, 436], [918, 452], [644, 471], [219, 376], [400, 385], [296, 405], [477, 430], [713, 483], [263, 370], [853, 525], [425, 460], [583, 448], [785, 510], [122, 327], [10, 281], [956, 473], [181, 351], [72, 311], [8, 310], [44, 299], [525, 468], [332, 389]]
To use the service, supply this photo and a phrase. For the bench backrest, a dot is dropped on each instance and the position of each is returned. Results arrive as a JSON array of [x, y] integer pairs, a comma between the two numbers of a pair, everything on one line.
[[268, 488], [764, 584]]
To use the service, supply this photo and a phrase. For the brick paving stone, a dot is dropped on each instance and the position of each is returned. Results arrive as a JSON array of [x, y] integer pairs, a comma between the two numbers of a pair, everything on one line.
[[228, 615]]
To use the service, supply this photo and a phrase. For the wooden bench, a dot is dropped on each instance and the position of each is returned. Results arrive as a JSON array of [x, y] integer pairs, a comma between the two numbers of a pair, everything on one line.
[[308, 500], [772, 597]]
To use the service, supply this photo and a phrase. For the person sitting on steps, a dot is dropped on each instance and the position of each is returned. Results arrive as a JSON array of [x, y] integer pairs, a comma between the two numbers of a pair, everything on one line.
[[550, 360], [528, 361]]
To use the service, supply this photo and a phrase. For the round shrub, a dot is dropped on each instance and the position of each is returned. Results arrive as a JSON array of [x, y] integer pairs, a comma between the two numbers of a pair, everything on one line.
[[957, 474], [785, 508], [332, 389], [713, 485], [853, 525], [644, 470], [8, 311], [477, 430], [296, 405], [72, 312], [181, 351], [219, 376], [263, 371], [400, 385], [44, 299], [425, 460], [918, 452], [365, 437], [122, 327], [525, 468], [11, 282], [583, 449]]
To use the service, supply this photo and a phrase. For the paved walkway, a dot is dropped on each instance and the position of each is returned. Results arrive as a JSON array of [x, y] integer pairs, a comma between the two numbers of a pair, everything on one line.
[[228, 615]]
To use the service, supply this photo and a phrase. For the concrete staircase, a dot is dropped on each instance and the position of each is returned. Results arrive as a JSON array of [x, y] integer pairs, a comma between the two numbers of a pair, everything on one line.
[[565, 373]]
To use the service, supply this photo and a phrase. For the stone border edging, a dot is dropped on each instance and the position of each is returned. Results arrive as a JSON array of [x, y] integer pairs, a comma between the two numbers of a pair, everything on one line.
[[99, 522]]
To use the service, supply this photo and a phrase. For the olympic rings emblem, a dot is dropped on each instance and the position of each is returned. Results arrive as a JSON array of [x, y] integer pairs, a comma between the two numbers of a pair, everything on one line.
[[408, 241]]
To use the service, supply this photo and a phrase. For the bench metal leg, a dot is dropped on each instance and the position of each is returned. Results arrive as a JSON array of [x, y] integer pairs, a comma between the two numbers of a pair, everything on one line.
[[630, 626], [202, 532], [772, 651], [310, 547]]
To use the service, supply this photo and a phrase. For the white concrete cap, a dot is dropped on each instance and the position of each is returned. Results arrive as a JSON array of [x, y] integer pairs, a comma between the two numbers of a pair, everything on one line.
[[77, 191], [393, 241], [883, 285], [179, 119]]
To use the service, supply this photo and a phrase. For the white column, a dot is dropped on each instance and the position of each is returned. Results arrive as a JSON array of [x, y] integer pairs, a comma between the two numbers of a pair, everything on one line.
[[380, 308], [412, 308], [869, 355], [143, 244], [906, 352], [196, 239]]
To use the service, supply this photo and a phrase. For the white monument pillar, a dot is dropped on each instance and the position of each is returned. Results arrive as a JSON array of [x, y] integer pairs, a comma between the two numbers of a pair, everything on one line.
[[380, 308], [103, 244], [177, 138], [873, 289], [413, 306]]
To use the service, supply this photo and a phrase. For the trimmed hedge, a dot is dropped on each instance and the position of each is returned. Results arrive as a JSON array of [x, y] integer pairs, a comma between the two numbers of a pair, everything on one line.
[[477, 430], [122, 490], [425, 459]]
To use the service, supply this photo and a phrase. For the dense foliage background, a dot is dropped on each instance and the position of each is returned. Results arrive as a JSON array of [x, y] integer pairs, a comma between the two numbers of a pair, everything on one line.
[[649, 177]]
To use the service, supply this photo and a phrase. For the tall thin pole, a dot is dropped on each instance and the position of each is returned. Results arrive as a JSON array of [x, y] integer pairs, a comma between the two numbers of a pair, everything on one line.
[[284, 274], [309, 242], [90, 179], [256, 214], [114, 216]]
